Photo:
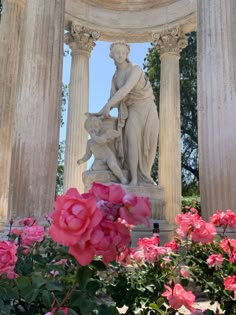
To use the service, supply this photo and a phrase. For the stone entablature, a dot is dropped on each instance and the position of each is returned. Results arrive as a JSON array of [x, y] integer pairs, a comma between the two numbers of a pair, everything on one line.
[[129, 24]]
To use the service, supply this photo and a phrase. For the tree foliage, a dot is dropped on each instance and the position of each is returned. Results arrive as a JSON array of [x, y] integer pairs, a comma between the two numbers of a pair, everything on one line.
[[188, 92], [61, 149]]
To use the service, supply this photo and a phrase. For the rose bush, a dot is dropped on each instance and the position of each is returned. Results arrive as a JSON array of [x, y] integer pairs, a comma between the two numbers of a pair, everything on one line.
[[56, 270], [152, 279], [84, 254]]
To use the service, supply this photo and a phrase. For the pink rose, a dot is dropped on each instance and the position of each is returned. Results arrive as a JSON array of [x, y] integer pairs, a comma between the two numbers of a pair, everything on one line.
[[215, 260], [184, 271], [203, 232], [16, 231], [62, 261], [8, 258], [27, 221], [105, 239], [230, 284], [173, 245], [32, 234], [125, 256], [135, 210], [83, 252], [186, 222], [74, 218], [150, 249], [112, 193], [227, 218], [148, 241], [110, 210], [108, 237], [178, 297], [229, 247]]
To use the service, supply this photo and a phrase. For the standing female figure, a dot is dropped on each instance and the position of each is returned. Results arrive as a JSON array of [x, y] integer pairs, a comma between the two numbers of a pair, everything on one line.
[[132, 94]]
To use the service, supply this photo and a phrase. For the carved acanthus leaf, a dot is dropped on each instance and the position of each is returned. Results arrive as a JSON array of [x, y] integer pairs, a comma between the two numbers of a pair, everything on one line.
[[81, 38], [170, 41]]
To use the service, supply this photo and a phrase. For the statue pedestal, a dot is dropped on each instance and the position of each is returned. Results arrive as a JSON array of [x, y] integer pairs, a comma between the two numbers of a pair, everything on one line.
[[156, 198], [155, 193]]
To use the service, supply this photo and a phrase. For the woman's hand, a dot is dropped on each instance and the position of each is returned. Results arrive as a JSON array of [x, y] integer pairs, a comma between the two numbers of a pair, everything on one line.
[[105, 111]]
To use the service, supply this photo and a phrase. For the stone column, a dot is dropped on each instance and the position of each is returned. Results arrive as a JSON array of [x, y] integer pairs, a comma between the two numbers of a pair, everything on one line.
[[81, 42], [37, 119], [169, 44], [217, 105], [10, 32]]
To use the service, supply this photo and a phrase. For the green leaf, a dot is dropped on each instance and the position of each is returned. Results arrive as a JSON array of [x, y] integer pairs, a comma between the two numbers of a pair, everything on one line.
[[5, 310], [47, 298], [87, 306], [83, 275], [99, 265], [72, 312], [54, 286], [208, 312], [23, 282], [31, 295], [76, 299], [107, 310], [92, 286], [38, 281]]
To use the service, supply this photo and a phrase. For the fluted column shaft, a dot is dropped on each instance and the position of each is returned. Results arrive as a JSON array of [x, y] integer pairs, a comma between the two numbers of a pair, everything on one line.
[[81, 42], [169, 44], [37, 120], [217, 104], [10, 32]]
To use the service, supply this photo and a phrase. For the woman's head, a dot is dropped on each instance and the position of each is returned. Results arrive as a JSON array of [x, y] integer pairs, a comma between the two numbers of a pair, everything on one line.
[[119, 51]]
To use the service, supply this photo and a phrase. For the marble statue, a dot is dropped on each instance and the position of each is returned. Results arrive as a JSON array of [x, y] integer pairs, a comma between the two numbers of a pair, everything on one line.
[[98, 145], [138, 122]]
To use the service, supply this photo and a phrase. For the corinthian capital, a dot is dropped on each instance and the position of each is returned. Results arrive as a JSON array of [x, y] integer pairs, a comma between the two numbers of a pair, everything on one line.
[[170, 41], [80, 38]]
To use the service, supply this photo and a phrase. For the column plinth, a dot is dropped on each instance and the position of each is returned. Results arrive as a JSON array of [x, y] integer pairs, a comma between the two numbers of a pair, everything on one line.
[[169, 44], [217, 105], [81, 42], [10, 32]]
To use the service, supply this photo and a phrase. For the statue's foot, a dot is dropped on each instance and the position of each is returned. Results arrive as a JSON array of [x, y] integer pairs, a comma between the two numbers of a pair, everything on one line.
[[133, 182], [124, 181]]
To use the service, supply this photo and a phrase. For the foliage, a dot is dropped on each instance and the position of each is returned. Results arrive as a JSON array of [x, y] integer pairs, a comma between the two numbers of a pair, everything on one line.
[[61, 149], [191, 202], [87, 257], [60, 168], [188, 91], [49, 278], [190, 260]]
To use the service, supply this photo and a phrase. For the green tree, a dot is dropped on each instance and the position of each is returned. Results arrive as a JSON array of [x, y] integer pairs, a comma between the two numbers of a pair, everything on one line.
[[188, 91], [61, 149]]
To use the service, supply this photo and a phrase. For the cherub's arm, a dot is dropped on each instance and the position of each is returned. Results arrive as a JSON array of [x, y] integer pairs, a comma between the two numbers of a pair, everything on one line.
[[86, 156], [102, 139], [112, 134]]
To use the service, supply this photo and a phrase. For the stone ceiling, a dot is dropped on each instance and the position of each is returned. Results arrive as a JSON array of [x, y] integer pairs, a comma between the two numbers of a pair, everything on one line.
[[131, 20], [128, 5]]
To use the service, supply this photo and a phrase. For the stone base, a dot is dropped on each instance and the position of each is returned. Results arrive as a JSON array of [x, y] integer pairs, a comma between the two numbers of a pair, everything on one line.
[[167, 231], [101, 176], [155, 193], [156, 198]]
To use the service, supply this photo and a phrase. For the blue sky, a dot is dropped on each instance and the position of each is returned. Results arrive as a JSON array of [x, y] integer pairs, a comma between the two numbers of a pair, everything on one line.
[[101, 70]]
